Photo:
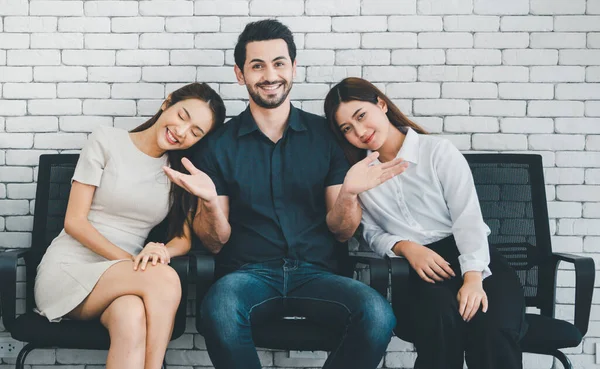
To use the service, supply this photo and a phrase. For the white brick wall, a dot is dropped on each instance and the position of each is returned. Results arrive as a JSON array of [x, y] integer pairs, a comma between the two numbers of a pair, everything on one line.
[[511, 75]]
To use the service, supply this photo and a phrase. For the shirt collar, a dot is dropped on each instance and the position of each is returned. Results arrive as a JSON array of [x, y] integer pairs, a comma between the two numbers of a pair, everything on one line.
[[410, 147], [249, 124]]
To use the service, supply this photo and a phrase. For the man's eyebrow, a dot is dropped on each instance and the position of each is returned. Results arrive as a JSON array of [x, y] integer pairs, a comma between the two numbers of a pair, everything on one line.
[[257, 60]]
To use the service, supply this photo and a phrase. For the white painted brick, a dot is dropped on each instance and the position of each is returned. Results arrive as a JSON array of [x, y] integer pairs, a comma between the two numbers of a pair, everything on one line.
[[13, 107], [578, 193], [577, 125], [59, 74], [387, 7], [221, 7], [471, 23], [30, 24], [111, 41], [578, 159], [16, 140], [508, 7], [390, 74], [558, 40], [190, 24], [276, 7], [233, 91], [579, 57], [14, 7], [473, 57], [111, 8], [419, 23], [444, 6], [57, 41], [29, 90], [584, 23], [359, 24], [216, 74], [196, 57], [166, 8], [59, 8], [557, 7], [556, 142], [295, 24], [108, 107], [362, 57], [498, 108], [441, 107], [315, 57], [388, 40], [144, 57], [414, 90], [471, 124], [485, 141], [592, 176], [336, 74], [167, 41], [84, 24], [527, 24], [23, 223], [2, 57], [504, 40], [16, 174], [469, 90], [592, 108], [137, 91], [500, 74], [139, 24], [591, 210], [557, 74], [578, 91], [592, 143], [555, 108], [309, 91], [88, 124], [418, 57], [430, 124], [14, 40], [564, 210], [15, 239], [33, 57], [14, 207], [405, 105], [564, 175], [31, 124], [311, 106], [434, 40], [129, 123], [88, 57], [114, 74], [332, 41], [593, 40], [332, 7], [54, 107], [461, 141], [20, 191], [529, 57], [445, 73], [526, 91]]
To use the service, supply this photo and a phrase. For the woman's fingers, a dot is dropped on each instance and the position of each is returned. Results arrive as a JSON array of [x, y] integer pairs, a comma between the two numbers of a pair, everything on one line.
[[440, 271], [144, 262], [431, 274], [136, 261], [189, 166], [424, 276], [154, 258], [476, 302]]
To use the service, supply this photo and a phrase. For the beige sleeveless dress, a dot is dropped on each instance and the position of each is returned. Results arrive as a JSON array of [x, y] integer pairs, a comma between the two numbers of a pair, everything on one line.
[[132, 196]]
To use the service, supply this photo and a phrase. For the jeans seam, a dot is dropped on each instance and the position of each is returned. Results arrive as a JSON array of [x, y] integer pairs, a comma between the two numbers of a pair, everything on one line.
[[260, 303]]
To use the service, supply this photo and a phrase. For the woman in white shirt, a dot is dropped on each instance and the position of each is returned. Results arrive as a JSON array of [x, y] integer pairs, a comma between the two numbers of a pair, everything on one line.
[[466, 301]]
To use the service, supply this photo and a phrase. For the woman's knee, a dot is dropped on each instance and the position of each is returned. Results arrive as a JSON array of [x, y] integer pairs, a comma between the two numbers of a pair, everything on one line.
[[164, 283], [125, 319]]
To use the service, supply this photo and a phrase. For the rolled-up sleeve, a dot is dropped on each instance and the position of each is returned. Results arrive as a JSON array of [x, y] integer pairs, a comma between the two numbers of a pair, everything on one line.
[[380, 241]]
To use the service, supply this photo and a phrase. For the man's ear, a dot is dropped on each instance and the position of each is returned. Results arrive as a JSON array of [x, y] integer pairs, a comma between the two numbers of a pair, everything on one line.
[[294, 69], [239, 74], [382, 105]]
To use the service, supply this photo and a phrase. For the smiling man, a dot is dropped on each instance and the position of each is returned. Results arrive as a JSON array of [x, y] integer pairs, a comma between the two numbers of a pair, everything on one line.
[[275, 200]]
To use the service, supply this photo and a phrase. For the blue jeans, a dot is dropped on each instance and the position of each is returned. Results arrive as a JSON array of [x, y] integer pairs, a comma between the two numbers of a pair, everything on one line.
[[257, 292]]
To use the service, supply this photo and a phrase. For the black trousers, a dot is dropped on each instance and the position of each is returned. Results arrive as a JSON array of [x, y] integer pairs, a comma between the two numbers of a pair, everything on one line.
[[443, 339]]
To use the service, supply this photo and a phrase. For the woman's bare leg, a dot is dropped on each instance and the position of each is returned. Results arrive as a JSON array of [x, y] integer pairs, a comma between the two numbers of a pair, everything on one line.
[[125, 319], [160, 290]]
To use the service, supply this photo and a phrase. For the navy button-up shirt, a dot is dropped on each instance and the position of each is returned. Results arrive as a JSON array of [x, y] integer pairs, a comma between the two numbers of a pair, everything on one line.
[[276, 190]]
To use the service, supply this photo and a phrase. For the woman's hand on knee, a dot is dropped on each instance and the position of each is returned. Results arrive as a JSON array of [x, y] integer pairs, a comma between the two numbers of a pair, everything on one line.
[[428, 264], [153, 252], [471, 296]]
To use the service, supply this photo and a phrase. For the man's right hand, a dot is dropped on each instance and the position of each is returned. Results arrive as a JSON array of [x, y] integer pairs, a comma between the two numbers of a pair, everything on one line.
[[428, 264], [197, 182]]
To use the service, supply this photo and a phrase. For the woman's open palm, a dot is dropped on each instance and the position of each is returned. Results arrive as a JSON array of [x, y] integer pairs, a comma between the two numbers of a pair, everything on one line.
[[363, 176], [197, 182]]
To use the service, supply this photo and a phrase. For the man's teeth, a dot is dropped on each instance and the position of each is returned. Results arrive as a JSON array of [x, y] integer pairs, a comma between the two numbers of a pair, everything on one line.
[[271, 87]]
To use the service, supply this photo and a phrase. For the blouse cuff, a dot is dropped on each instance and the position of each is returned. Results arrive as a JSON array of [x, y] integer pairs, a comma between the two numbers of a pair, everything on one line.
[[475, 266]]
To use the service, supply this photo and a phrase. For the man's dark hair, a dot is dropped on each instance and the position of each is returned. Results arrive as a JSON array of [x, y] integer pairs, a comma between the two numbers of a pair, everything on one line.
[[263, 30]]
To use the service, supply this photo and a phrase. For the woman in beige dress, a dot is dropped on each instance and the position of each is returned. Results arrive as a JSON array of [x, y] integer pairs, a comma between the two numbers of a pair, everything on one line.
[[98, 266]]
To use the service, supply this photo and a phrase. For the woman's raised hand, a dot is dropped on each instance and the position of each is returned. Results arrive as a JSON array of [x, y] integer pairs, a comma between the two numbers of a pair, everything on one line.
[[197, 182], [363, 176]]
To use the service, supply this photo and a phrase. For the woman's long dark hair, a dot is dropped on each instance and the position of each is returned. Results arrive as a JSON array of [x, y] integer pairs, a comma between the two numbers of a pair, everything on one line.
[[352, 89], [182, 204]]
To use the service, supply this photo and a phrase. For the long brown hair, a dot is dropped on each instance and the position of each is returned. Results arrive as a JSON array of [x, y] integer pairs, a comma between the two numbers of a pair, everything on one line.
[[352, 89], [182, 204]]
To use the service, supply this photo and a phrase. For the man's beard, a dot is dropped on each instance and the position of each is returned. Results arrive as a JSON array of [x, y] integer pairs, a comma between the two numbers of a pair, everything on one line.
[[271, 103]]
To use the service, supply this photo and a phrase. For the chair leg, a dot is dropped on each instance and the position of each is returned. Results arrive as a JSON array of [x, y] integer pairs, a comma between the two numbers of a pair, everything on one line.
[[20, 364], [564, 360]]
